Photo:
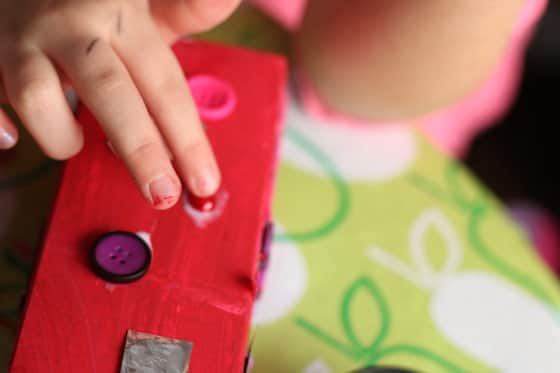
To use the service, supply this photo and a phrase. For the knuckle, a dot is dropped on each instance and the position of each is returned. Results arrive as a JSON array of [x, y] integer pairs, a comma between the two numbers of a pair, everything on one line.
[[107, 78], [32, 94], [172, 83], [194, 146], [145, 148], [172, 87]]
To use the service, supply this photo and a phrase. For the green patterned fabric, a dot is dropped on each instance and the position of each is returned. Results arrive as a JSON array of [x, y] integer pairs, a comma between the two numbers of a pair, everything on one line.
[[390, 253]]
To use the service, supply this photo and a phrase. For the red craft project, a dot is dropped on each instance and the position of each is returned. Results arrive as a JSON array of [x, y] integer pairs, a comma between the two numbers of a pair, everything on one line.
[[201, 284]]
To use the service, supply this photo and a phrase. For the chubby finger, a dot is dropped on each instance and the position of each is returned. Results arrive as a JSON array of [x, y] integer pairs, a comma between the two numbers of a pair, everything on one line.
[[34, 91], [182, 17], [104, 85], [162, 84]]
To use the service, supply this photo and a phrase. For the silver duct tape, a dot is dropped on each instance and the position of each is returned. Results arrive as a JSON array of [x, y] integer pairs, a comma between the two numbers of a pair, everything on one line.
[[148, 353]]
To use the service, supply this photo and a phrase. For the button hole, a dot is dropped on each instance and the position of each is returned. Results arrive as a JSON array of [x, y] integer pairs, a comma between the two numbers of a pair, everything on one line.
[[122, 262], [113, 257], [216, 100]]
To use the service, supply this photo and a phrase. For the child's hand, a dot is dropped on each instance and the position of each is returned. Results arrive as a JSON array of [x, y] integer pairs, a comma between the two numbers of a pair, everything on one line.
[[115, 54]]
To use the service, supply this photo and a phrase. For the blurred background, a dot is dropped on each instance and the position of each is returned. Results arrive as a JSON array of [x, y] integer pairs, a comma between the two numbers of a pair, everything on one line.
[[517, 159]]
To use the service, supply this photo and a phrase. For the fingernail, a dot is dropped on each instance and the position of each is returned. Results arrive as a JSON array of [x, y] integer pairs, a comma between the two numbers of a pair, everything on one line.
[[164, 192], [7, 140], [205, 183]]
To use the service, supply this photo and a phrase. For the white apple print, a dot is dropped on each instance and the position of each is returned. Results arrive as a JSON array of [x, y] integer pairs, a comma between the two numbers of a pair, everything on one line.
[[285, 283], [359, 152], [487, 317]]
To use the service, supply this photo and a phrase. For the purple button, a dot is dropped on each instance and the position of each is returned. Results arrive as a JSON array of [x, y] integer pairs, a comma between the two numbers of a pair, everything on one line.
[[267, 237], [266, 243], [120, 257], [214, 98]]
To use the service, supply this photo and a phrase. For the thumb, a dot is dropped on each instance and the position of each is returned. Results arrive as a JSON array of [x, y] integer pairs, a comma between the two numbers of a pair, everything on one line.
[[177, 18]]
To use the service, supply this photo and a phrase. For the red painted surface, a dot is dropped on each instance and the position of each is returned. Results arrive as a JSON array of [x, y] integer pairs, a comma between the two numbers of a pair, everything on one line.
[[202, 203], [201, 284]]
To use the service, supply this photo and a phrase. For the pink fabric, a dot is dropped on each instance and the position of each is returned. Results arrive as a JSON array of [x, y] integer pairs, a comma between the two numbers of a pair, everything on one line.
[[452, 128], [542, 229]]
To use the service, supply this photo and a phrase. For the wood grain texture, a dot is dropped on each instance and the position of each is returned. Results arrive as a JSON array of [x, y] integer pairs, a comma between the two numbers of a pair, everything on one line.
[[201, 284]]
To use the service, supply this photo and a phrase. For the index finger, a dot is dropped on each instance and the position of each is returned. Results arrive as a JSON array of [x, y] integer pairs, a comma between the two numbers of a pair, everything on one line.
[[163, 86], [105, 86]]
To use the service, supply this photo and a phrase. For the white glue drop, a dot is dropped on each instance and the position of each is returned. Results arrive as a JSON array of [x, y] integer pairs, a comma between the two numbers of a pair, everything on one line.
[[202, 218], [145, 236]]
